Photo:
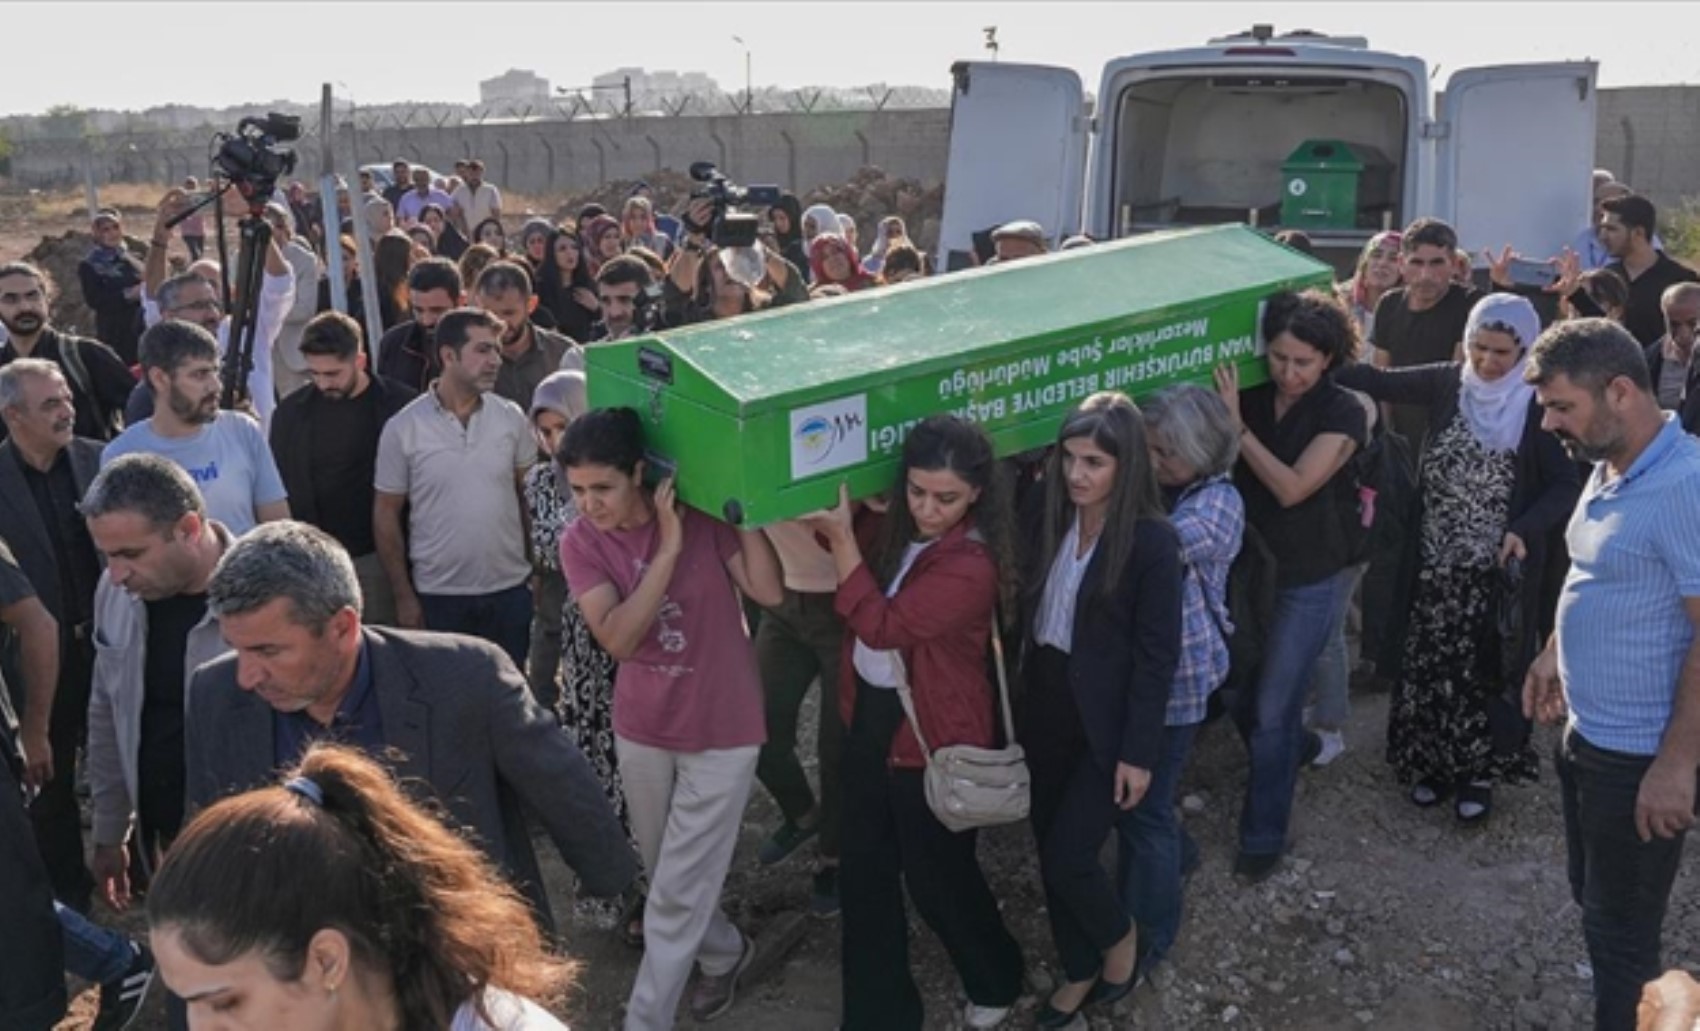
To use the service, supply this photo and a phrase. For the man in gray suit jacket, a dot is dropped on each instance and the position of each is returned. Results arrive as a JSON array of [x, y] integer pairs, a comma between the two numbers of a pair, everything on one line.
[[44, 472], [451, 715]]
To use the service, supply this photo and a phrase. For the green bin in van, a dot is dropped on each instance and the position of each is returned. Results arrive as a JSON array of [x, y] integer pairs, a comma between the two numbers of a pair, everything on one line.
[[1331, 184]]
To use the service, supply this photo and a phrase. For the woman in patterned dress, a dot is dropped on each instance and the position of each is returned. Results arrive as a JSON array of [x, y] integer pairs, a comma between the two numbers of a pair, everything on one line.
[[583, 699], [1493, 486]]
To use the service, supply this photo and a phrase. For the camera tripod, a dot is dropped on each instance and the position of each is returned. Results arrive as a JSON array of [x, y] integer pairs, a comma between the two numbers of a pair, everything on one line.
[[242, 304]]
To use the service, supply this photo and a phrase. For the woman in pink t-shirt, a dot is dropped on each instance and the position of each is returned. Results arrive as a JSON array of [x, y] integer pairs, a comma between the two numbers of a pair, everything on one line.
[[658, 586]]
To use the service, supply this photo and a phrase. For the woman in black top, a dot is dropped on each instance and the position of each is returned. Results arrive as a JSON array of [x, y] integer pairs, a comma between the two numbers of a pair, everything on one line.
[[1494, 486], [1102, 613], [564, 285], [1297, 434]]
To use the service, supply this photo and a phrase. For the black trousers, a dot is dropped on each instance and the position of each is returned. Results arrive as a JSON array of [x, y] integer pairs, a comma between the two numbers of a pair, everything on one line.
[[54, 813], [32, 962], [1622, 883], [892, 840], [1074, 811]]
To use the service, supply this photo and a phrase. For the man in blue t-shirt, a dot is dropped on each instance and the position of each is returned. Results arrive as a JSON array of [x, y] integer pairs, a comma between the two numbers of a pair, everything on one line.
[[1624, 660], [224, 452]]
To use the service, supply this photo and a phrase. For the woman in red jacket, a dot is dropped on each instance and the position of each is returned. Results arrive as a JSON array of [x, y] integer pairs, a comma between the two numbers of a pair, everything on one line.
[[921, 607]]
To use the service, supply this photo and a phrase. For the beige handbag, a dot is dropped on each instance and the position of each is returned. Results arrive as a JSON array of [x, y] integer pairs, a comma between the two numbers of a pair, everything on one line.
[[969, 787]]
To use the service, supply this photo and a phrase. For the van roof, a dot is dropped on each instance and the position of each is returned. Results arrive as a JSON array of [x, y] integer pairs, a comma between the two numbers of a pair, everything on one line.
[[1294, 50]]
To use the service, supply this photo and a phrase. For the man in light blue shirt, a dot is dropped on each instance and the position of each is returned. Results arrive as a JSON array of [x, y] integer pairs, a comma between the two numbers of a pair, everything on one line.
[[224, 452], [1624, 660]]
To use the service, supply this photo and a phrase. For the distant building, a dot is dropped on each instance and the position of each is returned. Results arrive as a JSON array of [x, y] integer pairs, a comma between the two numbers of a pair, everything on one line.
[[514, 84], [649, 87]]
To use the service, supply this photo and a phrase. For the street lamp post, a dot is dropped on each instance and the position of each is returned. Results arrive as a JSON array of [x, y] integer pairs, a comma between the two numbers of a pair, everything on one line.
[[749, 94]]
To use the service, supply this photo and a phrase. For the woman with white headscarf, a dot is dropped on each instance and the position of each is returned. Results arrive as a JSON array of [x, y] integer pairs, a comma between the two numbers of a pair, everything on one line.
[[1493, 489], [891, 233], [818, 220]]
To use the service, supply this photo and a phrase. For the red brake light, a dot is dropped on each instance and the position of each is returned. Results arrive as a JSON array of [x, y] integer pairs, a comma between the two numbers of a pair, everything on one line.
[[1257, 52]]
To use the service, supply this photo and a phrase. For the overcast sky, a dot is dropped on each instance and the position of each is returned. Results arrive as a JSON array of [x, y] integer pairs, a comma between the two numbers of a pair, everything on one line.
[[137, 55]]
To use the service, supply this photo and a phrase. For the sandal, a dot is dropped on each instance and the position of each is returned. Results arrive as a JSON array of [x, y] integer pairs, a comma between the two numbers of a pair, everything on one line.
[[1428, 793], [1475, 801]]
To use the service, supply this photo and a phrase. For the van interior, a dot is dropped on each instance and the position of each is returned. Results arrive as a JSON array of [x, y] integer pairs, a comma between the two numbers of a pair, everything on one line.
[[1169, 172]]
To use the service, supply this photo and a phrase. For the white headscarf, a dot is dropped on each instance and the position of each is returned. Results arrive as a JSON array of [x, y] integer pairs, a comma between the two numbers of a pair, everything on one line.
[[825, 219], [1496, 411]]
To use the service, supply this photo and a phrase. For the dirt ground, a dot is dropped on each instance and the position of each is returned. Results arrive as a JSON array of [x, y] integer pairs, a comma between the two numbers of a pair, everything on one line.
[[1385, 916]]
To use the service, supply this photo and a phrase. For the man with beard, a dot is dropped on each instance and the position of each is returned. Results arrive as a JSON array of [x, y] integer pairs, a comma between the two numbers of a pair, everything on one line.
[[529, 353], [1622, 666], [99, 382], [112, 286], [150, 522], [198, 300], [407, 352], [1628, 226], [325, 440], [474, 200], [620, 286], [456, 458], [225, 452], [44, 471]]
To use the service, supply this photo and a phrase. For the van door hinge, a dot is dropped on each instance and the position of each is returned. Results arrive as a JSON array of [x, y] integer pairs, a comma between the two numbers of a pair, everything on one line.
[[1085, 124], [1433, 130]]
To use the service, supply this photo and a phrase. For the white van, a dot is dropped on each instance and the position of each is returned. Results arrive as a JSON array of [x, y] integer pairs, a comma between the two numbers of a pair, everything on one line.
[[1200, 136]]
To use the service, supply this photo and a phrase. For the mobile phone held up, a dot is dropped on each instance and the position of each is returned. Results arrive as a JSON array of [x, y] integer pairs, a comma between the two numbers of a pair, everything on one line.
[[1524, 272]]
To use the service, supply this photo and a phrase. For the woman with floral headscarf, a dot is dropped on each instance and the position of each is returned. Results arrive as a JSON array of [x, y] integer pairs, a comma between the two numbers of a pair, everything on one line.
[[1377, 272], [601, 237], [835, 263], [1492, 487], [638, 229]]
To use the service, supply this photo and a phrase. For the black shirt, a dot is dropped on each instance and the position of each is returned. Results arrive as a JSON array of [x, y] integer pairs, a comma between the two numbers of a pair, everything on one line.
[[1644, 316], [14, 587], [1306, 539], [1421, 338], [342, 445], [108, 384], [55, 494], [160, 766], [405, 355]]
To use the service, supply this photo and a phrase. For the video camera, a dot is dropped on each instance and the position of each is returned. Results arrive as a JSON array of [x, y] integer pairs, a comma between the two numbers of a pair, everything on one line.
[[251, 158], [726, 194]]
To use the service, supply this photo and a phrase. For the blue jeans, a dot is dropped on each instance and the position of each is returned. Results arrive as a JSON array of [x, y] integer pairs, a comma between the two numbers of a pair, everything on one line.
[[92, 952], [1272, 719], [1622, 883], [1149, 849], [502, 618], [1331, 677]]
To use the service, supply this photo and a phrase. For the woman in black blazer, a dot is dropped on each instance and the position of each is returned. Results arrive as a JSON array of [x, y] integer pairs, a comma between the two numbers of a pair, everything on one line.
[[1493, 488], [1102, 622]]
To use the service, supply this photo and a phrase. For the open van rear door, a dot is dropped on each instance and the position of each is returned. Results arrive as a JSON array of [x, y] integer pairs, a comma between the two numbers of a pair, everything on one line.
[[1017, 151], [1516, 156]]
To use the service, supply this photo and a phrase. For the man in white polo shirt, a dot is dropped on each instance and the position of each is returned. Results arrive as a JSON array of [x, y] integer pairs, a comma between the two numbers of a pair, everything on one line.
[[457, 455], [474, 201]]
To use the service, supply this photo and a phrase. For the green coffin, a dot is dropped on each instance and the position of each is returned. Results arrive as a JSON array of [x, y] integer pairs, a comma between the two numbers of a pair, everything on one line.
[[764, 415]]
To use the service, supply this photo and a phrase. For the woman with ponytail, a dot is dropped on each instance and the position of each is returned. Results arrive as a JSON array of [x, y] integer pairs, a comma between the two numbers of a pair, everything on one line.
[[334, 902]]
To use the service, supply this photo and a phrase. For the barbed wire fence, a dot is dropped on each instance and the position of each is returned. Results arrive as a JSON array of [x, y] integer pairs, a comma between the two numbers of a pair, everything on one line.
[[603, 116]]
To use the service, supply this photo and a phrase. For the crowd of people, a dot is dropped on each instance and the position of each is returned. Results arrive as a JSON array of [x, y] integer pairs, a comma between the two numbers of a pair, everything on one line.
[[326, 660]]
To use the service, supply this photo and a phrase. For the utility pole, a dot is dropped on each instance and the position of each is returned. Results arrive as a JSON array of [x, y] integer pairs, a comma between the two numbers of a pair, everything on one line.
[[991, 32], [327, 201], [749, 91]]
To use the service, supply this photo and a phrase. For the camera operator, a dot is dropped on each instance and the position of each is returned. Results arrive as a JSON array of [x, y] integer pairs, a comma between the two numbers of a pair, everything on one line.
[[701, 287], [193, 300]]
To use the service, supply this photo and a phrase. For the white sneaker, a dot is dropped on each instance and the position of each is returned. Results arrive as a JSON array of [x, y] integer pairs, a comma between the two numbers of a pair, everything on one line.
[[1333, 745], [984, 1017]]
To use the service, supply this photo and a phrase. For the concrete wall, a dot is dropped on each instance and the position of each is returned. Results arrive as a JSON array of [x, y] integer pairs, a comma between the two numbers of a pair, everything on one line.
[[1647, 135], [1650, 137], [798, 151]]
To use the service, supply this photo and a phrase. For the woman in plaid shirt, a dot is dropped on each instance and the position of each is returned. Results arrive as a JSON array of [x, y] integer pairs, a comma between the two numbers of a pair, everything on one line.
[[1193, 447]]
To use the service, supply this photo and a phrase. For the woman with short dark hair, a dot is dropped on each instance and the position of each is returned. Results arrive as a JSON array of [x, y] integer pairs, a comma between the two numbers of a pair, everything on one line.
[[1297, 433]]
